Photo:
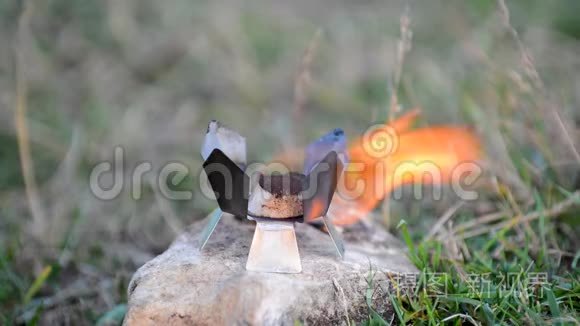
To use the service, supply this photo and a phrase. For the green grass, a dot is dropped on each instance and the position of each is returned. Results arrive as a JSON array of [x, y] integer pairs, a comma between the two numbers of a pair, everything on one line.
[[504, 281]]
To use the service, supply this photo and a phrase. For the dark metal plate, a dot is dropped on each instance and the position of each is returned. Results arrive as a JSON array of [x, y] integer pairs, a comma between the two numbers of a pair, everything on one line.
[[230, 184], [320, 186]]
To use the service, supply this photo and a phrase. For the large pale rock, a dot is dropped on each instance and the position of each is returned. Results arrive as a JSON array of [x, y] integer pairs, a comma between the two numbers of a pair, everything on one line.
[[185, 287]]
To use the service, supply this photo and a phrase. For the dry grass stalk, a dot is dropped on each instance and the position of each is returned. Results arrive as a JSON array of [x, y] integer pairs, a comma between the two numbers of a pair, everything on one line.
[[22, 133], [529, 67], [526, 58], [343, 297], [566, 133], [443, 219], [556, 210], [519, 212], [480, 221], [456, 250], [303, 78], [403, 47]]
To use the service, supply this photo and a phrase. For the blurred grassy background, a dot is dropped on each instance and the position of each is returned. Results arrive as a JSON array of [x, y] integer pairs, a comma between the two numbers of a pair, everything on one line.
[[148, 75]]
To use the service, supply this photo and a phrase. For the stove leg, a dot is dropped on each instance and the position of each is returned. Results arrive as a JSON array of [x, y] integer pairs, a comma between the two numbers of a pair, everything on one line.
[[207, 231], [274, 248], [334, 236]]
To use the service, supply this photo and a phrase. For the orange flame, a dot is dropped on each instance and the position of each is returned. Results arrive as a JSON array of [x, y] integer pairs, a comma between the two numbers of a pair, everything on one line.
[[413, 156], [427, 155]]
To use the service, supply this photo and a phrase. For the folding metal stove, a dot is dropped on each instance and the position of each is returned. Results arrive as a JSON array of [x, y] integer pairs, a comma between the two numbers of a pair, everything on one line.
[[276, 201]]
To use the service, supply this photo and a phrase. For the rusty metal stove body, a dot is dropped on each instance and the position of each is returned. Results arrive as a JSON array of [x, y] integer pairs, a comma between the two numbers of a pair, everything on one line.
[[276, 202]]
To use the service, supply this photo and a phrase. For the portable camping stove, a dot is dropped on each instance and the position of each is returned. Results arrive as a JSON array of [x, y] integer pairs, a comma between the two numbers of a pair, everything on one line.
[[276, 202]]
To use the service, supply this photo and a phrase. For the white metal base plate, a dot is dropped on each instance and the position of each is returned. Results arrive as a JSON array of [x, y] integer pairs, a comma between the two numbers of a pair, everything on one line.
[[274, 248]]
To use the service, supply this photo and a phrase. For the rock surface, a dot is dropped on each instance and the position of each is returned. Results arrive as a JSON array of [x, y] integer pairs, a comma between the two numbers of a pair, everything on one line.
[[185, 287]]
